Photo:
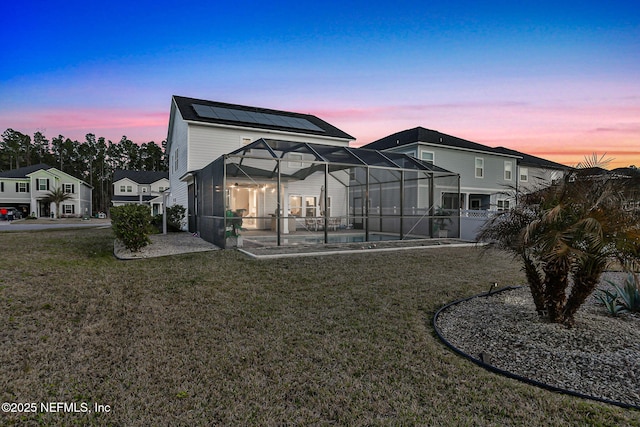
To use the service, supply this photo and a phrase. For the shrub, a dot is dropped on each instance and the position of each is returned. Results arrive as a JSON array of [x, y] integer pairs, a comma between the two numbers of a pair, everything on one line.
[[175, 216], [567, 232], [132, 224]]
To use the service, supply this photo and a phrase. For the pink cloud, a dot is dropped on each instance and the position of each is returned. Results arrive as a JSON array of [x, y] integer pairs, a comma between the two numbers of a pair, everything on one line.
[[76, 123]]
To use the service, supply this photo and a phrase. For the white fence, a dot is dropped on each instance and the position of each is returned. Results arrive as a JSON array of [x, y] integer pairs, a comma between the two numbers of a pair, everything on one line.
[[471, 221]]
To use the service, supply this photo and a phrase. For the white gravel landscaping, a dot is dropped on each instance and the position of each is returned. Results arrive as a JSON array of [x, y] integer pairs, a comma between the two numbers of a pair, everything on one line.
[[599, 357]]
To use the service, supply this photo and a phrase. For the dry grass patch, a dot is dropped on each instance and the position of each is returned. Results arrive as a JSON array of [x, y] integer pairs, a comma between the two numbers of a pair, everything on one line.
[[217, 339]]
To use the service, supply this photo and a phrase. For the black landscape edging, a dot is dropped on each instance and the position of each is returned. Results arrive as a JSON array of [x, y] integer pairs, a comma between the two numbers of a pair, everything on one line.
[[511, 374]]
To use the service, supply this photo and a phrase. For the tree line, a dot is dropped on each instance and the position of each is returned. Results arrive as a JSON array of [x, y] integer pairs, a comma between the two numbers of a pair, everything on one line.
[[93, 160]]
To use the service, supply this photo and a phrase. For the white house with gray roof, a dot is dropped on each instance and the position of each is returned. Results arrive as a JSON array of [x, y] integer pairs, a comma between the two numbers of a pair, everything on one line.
[[144, 187], [201, 131]]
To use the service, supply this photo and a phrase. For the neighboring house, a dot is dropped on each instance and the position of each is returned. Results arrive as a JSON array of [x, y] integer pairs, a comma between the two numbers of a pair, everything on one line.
[[490, 178], [144, 187], [26, 189], [534, 172], [486, 175], [201, 131]]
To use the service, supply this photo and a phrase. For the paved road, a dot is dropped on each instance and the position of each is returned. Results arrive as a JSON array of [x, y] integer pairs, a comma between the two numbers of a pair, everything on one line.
[[27, 225]]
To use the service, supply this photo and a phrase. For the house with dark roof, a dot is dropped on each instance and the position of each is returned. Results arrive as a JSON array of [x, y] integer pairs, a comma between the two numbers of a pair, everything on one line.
[[292, 178], [144, 187], [201, 131], [26, 190], [486, 175], [490, 178]]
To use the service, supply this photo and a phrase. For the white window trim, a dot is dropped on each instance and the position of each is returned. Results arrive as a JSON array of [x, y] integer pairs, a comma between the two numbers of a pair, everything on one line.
[[508, 169], [295, 160], [430, 161], [475, 167], [524, 172]]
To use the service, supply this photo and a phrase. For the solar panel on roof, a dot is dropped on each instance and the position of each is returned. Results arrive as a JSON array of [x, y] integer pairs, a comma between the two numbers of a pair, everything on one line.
[[236, 115]]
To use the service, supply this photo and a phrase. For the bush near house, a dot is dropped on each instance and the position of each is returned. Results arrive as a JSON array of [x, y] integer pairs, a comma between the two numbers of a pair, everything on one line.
[[132, 225], [175, 218]]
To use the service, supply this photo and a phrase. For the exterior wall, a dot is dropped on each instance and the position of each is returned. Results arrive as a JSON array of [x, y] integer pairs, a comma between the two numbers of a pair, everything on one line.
[[178, 138], [117, 191], [194, 146], [9, 197], [492, 186], [537, 177], [159, 186], [81, 195]]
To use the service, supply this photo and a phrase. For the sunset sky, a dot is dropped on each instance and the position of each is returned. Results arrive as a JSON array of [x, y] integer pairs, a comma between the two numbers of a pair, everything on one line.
[[559, 79]]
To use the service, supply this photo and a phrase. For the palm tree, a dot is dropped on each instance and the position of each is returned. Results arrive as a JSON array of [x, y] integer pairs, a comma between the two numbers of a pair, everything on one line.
[[57, 196], [566, 235]]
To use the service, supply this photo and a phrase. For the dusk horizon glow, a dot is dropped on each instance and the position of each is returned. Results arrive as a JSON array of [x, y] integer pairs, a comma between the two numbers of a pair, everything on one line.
[[559, 81]]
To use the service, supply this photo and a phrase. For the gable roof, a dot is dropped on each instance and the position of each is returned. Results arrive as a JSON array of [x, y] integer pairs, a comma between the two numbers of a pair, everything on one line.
[[23, 171], [528, 159], [420, 134], [199, 110], [141, 177]]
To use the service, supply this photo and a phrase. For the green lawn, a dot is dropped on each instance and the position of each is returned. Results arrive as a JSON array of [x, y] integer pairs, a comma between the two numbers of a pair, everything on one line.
[[218, 339]]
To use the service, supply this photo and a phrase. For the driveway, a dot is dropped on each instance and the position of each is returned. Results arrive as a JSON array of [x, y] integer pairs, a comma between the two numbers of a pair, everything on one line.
[[43, 224]]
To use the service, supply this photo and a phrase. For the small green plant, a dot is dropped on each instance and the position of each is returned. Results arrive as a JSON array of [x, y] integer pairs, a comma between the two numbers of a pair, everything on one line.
[[131, 225], [610, 301], [629, 294], [624, 299]]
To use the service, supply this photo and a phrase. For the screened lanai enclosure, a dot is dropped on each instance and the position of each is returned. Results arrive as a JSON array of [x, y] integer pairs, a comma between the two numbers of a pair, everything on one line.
[[283, 193]]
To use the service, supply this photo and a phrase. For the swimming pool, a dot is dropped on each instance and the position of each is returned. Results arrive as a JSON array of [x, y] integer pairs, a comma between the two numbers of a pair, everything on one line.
[[311, 239]]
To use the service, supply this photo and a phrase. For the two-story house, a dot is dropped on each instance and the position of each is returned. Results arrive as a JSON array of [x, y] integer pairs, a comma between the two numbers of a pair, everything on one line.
[[486, 175], [144, 187], [27, 188], [201, 131]]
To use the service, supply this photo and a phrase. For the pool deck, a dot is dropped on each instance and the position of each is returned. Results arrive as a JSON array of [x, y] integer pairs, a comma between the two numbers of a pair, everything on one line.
[[273, 252]]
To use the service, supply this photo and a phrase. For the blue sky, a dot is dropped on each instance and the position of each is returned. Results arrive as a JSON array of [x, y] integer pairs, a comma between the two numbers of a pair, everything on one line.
[[556, 79]]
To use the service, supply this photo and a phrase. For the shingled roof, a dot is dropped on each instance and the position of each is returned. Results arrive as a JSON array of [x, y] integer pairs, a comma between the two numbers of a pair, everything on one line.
[[528, 159], [318, 126], [420, 134], [23, 171], [141, 177]]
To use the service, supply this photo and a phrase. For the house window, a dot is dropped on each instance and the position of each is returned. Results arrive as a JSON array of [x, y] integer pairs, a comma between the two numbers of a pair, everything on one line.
[[160, 189], [503, 205], [292, 163], [479, 167], [295, 205], [43, 184], [310, 206], [175, 160], [508, 171], [68, 209], [67, 188], [123, 188], [2, 187], [23, 187], [144, 189], [129, 189], [427, 156], [524, 174]]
